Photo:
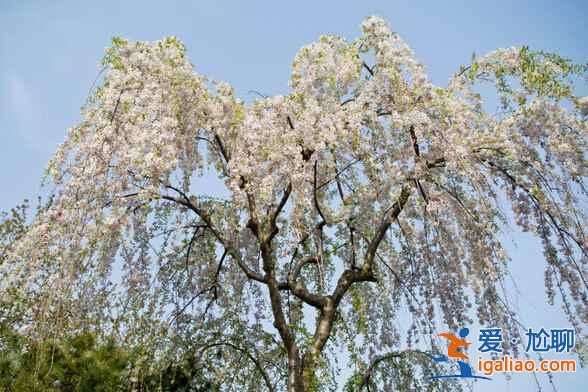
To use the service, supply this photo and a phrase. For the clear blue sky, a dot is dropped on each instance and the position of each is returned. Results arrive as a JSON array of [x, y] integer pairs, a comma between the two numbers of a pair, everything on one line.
[[49, 53]]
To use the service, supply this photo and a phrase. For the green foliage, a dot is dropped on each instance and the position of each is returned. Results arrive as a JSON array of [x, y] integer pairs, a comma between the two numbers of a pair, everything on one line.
[[111, 57], [545, 73], [183, 376], [78, 364], [84, 363], [537, 73]]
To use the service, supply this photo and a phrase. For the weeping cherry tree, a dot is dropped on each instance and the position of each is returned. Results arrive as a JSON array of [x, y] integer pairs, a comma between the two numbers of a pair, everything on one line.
[[364, 211]]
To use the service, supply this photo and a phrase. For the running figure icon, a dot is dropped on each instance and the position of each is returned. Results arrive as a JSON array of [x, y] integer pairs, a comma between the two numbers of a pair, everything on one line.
[[465, 369]]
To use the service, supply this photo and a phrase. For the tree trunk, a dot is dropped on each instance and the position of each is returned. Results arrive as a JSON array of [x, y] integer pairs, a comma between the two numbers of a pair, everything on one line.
[[295, 372], [301, 372]]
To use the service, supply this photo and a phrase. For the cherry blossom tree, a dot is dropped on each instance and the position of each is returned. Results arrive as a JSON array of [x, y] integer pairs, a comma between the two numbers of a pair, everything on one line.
[[362, 212]]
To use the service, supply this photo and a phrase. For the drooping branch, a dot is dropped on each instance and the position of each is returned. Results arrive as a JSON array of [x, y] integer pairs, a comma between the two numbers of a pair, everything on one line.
[[248, 354], [562, 232], [212, 287], [367, 376]]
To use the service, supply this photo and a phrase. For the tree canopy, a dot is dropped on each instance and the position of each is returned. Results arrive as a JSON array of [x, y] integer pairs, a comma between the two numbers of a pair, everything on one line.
[[364, 197]]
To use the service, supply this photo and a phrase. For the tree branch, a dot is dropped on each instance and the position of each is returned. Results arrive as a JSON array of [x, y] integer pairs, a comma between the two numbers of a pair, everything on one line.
[[185, 201], [273, 226], [299, 289], [365, 380], [351, 276], [213, 286], [367, 67], [253, 359]]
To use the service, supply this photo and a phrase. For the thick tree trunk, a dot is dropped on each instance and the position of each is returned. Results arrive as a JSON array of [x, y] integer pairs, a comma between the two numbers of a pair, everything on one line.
[[301, 375], [302, 372], [295, 372]]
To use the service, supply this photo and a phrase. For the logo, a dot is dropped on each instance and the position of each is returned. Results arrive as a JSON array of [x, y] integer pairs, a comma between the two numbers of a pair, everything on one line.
[[465, 370], [557, 341]]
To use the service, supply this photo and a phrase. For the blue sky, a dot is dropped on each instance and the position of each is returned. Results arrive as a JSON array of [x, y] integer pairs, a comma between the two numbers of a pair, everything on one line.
[[49, 53]]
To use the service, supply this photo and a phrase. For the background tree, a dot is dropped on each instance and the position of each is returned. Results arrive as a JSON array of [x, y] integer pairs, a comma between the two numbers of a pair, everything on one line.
[[364, 195], [87, 362], [77, 363]]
